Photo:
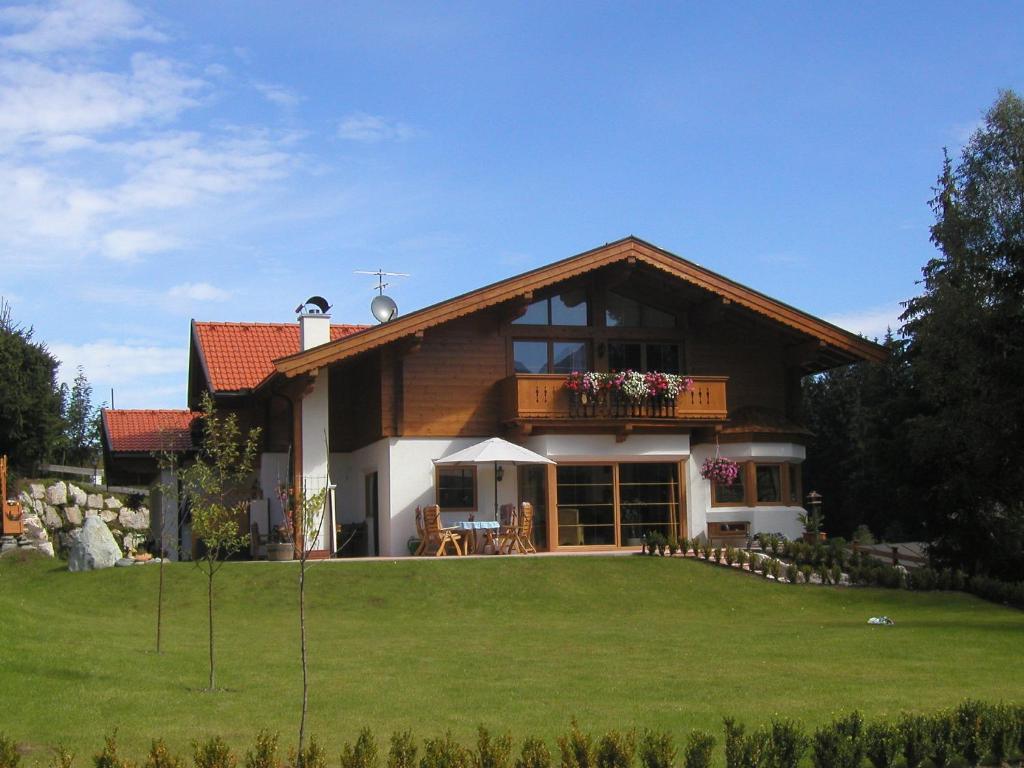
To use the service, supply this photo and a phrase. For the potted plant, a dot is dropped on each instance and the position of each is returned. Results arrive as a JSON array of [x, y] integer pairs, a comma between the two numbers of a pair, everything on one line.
[[812, 519], [281, 544], [720, 470], [631, 522]]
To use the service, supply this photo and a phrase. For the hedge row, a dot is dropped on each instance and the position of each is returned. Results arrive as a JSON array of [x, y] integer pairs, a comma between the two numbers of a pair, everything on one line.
[[973, 734]]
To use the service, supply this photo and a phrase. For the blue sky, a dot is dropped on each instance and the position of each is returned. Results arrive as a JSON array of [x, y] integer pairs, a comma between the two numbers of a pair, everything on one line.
[[224, 160]]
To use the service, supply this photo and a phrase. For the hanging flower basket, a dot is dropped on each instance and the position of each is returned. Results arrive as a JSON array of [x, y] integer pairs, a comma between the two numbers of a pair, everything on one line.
[[719, 470]]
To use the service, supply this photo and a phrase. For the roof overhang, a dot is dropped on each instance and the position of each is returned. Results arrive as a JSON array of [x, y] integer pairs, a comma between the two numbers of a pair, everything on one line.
[[849, 346]]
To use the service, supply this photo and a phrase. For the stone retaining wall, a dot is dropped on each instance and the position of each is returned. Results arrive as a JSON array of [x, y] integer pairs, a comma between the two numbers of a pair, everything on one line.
[[55, 510]]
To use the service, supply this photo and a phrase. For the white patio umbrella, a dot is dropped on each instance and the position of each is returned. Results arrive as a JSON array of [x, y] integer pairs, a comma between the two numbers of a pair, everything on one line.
[[497, 451]]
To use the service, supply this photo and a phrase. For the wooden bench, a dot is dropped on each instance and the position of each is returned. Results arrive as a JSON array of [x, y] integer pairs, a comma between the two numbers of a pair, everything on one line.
[[732, 534]]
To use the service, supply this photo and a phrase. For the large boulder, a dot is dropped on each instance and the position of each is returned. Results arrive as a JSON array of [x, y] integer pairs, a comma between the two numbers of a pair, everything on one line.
[[95, 547], [34, 529], [95, 501], [77, 495], [57, 494], [37, 490], [112, 503]]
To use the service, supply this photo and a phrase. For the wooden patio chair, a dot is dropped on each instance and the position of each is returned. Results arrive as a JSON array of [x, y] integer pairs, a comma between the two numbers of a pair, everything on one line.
[[522, 538], [421, 534], [437, 535], [506, 530]]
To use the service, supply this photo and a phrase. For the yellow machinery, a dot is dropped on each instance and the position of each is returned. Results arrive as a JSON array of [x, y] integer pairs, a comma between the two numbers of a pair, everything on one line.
[[13, 522]]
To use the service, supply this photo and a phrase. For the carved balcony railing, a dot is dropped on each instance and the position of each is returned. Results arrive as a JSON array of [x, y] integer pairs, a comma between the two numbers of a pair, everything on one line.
[[535, 396]]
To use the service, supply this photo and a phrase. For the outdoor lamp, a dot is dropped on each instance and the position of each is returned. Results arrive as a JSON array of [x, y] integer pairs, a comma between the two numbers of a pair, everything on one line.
[[499, 472]]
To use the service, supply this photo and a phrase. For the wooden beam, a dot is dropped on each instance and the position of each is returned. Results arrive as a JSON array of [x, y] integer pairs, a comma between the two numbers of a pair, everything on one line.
[[804, 353]]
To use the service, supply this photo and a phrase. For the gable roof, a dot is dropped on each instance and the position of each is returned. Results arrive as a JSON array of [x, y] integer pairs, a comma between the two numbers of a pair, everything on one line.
[[237, 357], [147, 431], [632, 250]]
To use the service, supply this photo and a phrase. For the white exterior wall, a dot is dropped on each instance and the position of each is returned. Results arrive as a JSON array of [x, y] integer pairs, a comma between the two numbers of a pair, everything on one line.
[[274, 473], [405, 470], [412, 485], [767, 519], [315, 408]]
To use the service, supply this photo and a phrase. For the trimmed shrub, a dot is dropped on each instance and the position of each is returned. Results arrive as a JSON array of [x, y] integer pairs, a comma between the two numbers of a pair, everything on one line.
[[108, 756], [941, 746], [444, 752], [788, 744], [615, 750], [312, 756], [63, 757], [402, 753], [264, 752], [882, 744], [1002, 732], [534, 754], [969, 731], [741, 557], [657, 750], [733, 742], [160, 757], [361, 755], [840, 744], [699, 747], [791, 573], [914, 739], [491, 751], [756, 750], [806, 571], [214, 753], [9, 757], [576, 748]]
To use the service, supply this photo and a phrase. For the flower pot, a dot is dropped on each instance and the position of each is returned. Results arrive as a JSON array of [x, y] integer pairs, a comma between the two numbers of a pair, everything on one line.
[[812, 538], [281, 552], [634, 541]]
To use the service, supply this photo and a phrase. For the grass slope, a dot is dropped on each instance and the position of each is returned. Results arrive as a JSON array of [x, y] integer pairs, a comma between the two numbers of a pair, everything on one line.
[[518, 644]]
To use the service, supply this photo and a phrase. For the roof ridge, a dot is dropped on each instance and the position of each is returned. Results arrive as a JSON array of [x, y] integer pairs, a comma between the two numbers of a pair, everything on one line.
[[246, 324], [149, 410]]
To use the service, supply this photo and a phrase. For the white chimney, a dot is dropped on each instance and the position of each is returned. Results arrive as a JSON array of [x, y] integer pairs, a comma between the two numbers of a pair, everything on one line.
[[314, 328]]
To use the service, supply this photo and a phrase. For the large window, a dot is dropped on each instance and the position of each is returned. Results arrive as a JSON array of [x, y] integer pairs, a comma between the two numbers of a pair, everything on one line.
[[630, 313], [566, 308], [586, 505], [536, 356], [760, 484], [648, 500], [643, 356], [456, 488]]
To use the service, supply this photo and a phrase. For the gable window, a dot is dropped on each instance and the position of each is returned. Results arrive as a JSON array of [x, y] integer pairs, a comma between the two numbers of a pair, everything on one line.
[[456, 488], [643, 356], [566, 308], [625, 312], [548, 356]]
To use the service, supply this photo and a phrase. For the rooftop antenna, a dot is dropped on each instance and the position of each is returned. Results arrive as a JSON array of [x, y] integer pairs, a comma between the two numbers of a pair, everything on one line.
[[383, 308]]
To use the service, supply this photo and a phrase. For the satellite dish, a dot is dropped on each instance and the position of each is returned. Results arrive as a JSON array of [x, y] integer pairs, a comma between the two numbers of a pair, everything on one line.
[[383, 308], [314, 305]]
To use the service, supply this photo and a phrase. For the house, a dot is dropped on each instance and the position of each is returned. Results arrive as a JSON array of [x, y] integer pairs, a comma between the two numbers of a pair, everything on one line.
[[370, 409]]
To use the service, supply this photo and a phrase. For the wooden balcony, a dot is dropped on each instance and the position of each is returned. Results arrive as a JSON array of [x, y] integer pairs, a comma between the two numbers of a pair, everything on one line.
[[542, 399]]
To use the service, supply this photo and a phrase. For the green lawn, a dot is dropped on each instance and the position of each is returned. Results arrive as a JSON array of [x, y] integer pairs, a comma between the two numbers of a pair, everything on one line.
[[515, 643]]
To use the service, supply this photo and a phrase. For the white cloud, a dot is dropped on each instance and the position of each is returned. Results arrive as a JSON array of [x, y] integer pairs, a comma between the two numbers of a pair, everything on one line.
[[72, 24], [198, 292], [39, 101], [130, 244], [372, 128], [871, 322], [109, 356], [278, 94]]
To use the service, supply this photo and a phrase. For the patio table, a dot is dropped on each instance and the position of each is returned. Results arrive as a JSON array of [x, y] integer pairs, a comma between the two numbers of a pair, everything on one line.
[[470, 527]]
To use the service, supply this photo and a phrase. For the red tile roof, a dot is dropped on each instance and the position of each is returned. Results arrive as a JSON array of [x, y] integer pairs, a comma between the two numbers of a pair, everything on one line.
[[239, 356], [148, 431]]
